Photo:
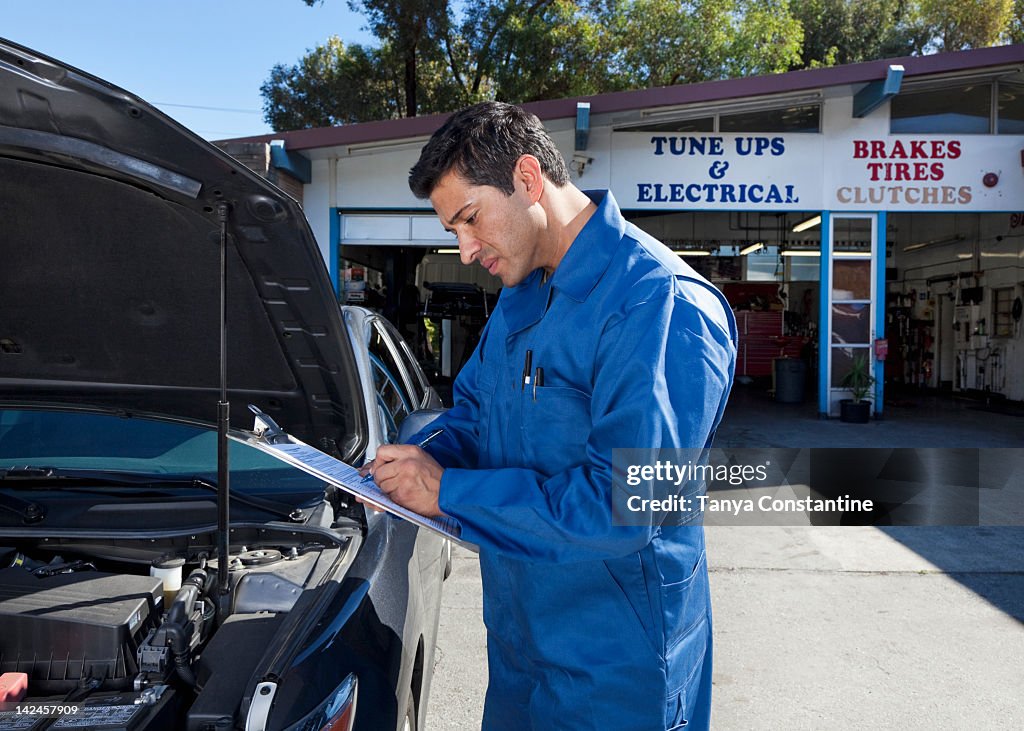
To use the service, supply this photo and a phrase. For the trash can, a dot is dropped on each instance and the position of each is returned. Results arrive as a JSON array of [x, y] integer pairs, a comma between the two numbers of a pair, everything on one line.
[[790, 377]]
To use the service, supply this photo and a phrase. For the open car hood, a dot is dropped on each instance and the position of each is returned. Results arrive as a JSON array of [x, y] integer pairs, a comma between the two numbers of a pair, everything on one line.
[[110, 276]]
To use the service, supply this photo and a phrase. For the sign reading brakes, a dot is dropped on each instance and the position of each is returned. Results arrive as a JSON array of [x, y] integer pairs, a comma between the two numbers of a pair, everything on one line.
[[711, 171]]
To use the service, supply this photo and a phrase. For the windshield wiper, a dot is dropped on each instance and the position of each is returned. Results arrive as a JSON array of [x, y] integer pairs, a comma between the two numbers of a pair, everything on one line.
[[33, 477]]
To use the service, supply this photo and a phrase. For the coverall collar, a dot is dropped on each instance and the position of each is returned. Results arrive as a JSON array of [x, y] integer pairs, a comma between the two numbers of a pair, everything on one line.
[[591, 252], [525, 303], [579, 271]]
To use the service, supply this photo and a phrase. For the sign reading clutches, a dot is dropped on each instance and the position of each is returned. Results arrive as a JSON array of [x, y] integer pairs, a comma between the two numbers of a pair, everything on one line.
[[905, 172]]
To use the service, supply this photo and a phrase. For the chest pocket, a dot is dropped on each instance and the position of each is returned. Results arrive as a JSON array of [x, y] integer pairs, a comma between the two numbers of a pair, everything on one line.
[[554, 428]]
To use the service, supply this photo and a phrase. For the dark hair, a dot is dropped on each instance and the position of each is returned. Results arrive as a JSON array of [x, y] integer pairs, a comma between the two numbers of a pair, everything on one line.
[[482, 144]]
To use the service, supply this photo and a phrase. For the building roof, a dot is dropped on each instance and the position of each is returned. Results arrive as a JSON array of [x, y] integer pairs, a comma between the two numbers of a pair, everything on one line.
[[709, 91]]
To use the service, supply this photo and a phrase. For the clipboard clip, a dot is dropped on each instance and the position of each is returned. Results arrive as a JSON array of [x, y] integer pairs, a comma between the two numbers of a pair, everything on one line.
[[266, 428]]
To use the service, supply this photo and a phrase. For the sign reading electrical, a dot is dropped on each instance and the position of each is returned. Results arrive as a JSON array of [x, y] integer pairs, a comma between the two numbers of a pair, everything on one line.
[[717, 171], [905, 173]]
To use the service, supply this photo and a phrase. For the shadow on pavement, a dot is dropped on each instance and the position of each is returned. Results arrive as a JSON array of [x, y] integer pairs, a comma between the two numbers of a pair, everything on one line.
[[988, 560]]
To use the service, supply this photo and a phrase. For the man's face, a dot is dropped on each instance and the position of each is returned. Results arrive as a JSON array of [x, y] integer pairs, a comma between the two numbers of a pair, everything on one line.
[[499, 231]]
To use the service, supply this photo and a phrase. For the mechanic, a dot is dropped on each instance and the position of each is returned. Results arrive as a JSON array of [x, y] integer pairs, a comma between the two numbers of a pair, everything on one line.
[[602, 338]]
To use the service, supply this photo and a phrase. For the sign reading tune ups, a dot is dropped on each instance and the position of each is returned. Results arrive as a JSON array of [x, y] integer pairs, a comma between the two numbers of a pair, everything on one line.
[[663, 170]]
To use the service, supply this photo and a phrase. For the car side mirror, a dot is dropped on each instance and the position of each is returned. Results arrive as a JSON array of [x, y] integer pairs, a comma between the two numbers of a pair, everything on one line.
[[417, 421]]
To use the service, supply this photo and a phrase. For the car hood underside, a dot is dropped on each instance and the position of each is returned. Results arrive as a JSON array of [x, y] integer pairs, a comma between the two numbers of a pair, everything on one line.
[[113, 217]]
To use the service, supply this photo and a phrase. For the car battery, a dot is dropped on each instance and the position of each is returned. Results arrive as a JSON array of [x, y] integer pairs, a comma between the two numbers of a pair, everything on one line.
[[120, 712], [111, 713], [14, 721]]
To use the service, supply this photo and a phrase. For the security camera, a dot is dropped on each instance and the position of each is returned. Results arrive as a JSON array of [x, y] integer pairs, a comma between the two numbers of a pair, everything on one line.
[[580, 162]]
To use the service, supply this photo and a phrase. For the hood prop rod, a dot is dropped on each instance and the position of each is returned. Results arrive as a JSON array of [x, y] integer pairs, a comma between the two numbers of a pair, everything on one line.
[[223, 423]]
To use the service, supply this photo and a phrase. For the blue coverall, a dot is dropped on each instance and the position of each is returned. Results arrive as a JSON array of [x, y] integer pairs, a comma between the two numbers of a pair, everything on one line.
[[589, 625]]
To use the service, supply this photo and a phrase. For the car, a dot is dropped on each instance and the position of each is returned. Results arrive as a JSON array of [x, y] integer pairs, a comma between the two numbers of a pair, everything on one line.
[[387, 366], [394, 383], [157, 571]]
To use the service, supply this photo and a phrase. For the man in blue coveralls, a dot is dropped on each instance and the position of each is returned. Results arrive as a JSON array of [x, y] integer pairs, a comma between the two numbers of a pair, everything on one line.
[[602, 338]]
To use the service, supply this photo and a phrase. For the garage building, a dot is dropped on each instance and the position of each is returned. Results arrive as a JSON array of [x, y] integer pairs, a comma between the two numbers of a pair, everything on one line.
[[872, 211]]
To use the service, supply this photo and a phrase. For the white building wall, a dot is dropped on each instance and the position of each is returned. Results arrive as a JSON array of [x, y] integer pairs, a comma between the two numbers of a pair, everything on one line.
[[316, 196], [376, 177]]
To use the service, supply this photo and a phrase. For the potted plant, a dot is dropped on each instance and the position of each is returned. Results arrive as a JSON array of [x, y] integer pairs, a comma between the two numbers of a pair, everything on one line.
[[857, 410]]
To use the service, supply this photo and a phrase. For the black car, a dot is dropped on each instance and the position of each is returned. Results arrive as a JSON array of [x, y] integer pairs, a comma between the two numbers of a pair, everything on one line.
[[140, 588]]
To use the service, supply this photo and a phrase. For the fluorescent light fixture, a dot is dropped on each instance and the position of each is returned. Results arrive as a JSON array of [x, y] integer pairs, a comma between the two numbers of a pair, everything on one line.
[[935, 242], [809, 223], [801, 252], [694, 252], [447, 251], [751, 249], [851, 254]]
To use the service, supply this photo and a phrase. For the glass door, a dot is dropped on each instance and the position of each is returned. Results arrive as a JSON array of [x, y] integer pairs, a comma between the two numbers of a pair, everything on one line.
[[852, 305]]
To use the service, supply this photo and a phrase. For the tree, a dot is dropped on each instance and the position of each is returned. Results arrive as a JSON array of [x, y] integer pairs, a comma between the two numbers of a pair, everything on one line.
[[692, 38], [851, 31], [513, 50], [1015, 31], [547, 50], [525, 50], [522, 51], [766, 39], [412, 28], [665, 42], [439, 55], [332, 84], [954, 26]]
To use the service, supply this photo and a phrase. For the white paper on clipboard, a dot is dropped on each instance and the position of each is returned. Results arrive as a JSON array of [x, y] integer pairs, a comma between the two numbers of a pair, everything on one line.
[[269, 439]]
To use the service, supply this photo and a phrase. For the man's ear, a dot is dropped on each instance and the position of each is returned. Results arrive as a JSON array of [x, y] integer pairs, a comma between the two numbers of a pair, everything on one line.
[[528, 173]]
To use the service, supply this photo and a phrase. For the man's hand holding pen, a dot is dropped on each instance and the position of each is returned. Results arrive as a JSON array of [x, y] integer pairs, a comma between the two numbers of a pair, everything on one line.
[[408, 475]]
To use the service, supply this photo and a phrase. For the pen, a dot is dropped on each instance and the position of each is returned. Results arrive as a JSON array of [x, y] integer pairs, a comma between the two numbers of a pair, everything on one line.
[[526, 370], [538, 380], [430, 437], [426, 440]]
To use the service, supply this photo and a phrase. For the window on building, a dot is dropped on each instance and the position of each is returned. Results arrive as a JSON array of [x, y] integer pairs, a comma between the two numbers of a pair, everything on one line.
[[764, 265], [1002, 312], [803, 268], [797, 118], [1010, 115], [964, 109], [804, 118], [704, 124]]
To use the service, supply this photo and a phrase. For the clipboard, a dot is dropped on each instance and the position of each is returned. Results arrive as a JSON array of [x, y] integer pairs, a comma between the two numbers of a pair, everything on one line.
[[270, 439]]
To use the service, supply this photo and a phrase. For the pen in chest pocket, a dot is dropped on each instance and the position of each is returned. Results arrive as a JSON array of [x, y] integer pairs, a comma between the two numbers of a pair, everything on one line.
[[538, 381], [527, 365]]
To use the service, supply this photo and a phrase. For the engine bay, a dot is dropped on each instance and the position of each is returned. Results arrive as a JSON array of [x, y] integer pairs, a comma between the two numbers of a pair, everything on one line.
[[125, 634]]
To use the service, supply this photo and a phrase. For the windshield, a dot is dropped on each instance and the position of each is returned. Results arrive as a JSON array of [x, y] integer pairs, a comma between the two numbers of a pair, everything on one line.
[[78, 440]]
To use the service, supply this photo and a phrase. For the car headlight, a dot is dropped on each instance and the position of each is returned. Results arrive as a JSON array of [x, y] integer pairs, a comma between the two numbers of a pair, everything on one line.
[[336, 713]]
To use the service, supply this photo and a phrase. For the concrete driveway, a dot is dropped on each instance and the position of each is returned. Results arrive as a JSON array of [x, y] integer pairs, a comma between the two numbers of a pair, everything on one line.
[[823, 628]]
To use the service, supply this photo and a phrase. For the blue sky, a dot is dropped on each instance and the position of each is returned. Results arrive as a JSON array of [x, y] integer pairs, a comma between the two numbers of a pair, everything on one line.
[[179, 54]]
